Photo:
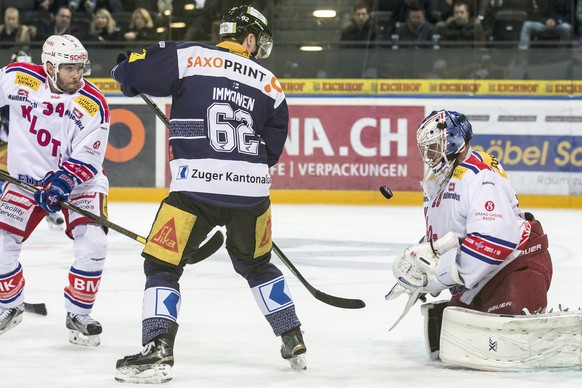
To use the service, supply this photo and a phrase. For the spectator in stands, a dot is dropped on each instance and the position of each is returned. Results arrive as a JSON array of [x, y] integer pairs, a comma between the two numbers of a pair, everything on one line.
[[84, 6], [59, 26], [141, 27], [104, 28], [416, 28], [553, 19], [12, 30], [462, 28], [360, 28], [402, 8]]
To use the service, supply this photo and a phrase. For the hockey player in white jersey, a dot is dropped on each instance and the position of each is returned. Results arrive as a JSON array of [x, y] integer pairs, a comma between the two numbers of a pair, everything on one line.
[[54, 220], [59, 126], [228, 125], [497, 261]]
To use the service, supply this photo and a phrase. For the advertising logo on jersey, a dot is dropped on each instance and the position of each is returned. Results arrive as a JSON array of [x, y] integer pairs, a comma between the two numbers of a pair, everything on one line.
[[182, 172], [14, 207], [169, 234], [88, 105], [17, 199], [27, 80], [166, 237], [136, 56], [488, 213], [77, 113], [450, 193], [202, 61], [263, 234]]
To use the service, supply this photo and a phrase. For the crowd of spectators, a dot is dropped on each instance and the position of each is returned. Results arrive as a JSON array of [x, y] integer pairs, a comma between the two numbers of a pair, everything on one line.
[[464, 22], [410, 22], [28, 21]]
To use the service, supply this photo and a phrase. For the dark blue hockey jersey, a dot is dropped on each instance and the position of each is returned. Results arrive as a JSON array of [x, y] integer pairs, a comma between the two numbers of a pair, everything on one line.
[[228, 122]]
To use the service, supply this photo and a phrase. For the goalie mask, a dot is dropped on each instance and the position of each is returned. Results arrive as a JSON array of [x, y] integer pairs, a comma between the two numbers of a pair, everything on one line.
[[64, 50], [441, 137], [240, 21]]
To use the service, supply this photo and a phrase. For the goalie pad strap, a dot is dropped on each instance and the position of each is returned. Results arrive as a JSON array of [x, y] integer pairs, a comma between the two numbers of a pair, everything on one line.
[[495, 342], [433, 317]]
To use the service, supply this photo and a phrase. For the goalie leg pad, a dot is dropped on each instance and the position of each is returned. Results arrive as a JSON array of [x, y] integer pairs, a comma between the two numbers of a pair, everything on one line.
[[433, 316], [495, 342]]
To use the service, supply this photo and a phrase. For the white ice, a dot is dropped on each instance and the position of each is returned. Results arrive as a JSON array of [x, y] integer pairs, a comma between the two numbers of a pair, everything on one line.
[[224, 341]]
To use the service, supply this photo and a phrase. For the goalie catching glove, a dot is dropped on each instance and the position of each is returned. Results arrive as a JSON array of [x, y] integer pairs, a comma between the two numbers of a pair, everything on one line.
[[414, 268], [57, 186]]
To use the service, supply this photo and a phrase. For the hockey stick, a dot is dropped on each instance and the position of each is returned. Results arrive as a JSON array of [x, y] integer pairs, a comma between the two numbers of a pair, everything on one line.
[[206, 250], [322, 296], [35, 308], [325, 298]]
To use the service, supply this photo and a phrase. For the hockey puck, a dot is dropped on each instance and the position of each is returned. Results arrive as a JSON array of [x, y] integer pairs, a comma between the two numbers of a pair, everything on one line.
[[386, 192]]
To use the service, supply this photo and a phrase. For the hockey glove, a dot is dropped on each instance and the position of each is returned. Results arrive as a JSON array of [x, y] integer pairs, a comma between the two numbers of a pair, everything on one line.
[[417, 264], [125, 89], [57, 187]]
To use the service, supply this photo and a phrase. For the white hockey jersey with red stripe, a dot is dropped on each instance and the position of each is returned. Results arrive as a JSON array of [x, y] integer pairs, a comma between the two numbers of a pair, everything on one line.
[[49, 131], [480, 206]]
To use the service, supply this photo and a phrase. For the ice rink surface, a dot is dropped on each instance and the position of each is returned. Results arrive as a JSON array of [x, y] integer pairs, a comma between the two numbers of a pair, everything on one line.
[[224, 341]]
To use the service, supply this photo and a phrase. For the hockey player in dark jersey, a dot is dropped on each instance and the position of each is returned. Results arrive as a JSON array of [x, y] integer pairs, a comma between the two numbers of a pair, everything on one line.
[[228, 125]]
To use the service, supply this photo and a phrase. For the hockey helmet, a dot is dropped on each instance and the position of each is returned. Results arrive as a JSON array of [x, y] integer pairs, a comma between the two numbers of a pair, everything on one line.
[[240, 21], [441, 137], [65, 49], [21, 56]]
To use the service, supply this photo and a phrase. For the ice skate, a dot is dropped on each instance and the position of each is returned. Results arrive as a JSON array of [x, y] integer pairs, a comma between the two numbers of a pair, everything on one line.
[[83, 330], [10, 317], [55, 221], [152, 365], [293, 348]]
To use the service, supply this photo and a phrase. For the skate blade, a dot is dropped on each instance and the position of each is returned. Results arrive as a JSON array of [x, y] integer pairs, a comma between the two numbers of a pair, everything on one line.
[[160, 373], [298, 362], [12, 324], [78, 338]]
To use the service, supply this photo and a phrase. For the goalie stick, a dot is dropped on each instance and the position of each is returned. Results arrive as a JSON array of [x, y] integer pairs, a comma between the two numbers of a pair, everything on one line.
[[205, 251], [416, 295], [323, 297]]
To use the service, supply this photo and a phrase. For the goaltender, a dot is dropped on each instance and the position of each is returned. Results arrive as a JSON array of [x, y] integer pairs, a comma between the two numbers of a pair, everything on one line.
[[479, 244]]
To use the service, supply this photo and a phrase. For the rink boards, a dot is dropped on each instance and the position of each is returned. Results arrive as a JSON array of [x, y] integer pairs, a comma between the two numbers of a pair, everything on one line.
[[341, 149]]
